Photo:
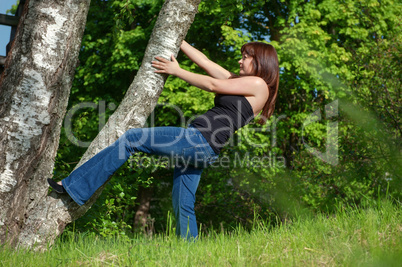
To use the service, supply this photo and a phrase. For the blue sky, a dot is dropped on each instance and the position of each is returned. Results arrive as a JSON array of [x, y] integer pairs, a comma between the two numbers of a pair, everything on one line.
[[5, 30]]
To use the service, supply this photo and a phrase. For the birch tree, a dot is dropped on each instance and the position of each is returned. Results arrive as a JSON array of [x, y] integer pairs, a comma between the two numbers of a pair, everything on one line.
[[28, 216], [34, 90]]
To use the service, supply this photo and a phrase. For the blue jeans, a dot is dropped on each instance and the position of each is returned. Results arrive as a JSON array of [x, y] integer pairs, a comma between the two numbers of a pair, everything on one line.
[[186, 148]]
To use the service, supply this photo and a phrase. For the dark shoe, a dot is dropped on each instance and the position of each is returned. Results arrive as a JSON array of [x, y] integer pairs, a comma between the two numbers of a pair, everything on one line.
[[56, 187]]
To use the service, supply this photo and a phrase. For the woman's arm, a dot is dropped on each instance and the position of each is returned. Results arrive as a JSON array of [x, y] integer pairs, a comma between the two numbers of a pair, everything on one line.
[[247, 85], [213, 69]]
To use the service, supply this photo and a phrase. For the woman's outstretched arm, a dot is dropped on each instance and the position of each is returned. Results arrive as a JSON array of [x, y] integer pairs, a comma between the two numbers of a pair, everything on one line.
[[213, 69], [247, 85]]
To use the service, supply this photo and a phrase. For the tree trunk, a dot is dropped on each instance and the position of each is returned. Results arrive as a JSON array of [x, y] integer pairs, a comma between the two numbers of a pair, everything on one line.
[[34, 90], [141, 220], [46, 216]]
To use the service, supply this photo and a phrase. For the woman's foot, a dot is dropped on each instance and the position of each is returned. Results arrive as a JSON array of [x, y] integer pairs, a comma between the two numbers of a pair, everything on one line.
[[56, 186]]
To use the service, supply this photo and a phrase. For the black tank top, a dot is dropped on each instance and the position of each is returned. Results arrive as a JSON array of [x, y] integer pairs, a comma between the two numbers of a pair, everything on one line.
[[230, 113]]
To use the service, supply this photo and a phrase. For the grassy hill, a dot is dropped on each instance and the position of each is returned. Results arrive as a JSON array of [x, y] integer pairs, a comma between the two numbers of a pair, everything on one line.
[[352, 237]]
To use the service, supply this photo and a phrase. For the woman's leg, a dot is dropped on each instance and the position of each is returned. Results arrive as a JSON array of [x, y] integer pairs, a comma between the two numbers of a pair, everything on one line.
[[82, 183], [187, 149], [173, 142], [185, 183]]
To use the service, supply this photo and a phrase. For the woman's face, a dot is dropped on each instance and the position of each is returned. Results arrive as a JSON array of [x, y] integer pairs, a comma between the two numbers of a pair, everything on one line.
[[246, 65]]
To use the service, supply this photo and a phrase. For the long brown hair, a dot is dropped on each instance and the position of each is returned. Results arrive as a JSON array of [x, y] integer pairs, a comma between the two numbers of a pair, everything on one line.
[[265, 66]]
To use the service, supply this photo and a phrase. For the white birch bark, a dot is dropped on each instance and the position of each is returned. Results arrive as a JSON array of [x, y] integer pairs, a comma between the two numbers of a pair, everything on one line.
[[34, 90], [46, 217]]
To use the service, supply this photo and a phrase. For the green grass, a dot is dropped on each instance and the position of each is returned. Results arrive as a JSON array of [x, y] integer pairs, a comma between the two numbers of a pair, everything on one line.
[[352, 237]]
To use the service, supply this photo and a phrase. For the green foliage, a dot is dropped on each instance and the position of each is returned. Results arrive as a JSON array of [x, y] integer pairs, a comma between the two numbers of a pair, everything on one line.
[[319, 48], [13, 9]]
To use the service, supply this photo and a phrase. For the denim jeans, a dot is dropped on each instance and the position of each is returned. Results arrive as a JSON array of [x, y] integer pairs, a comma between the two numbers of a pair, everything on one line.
[[186, 148]]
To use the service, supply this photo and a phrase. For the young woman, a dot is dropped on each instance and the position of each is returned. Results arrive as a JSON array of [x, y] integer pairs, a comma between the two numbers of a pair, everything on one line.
[[238, 100]]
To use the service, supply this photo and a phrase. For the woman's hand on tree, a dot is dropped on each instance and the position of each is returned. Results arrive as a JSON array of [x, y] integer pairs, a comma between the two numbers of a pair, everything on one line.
[[166, 66]]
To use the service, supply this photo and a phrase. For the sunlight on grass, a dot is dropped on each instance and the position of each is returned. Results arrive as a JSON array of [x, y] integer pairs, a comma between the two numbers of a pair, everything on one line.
[[352, 237]]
